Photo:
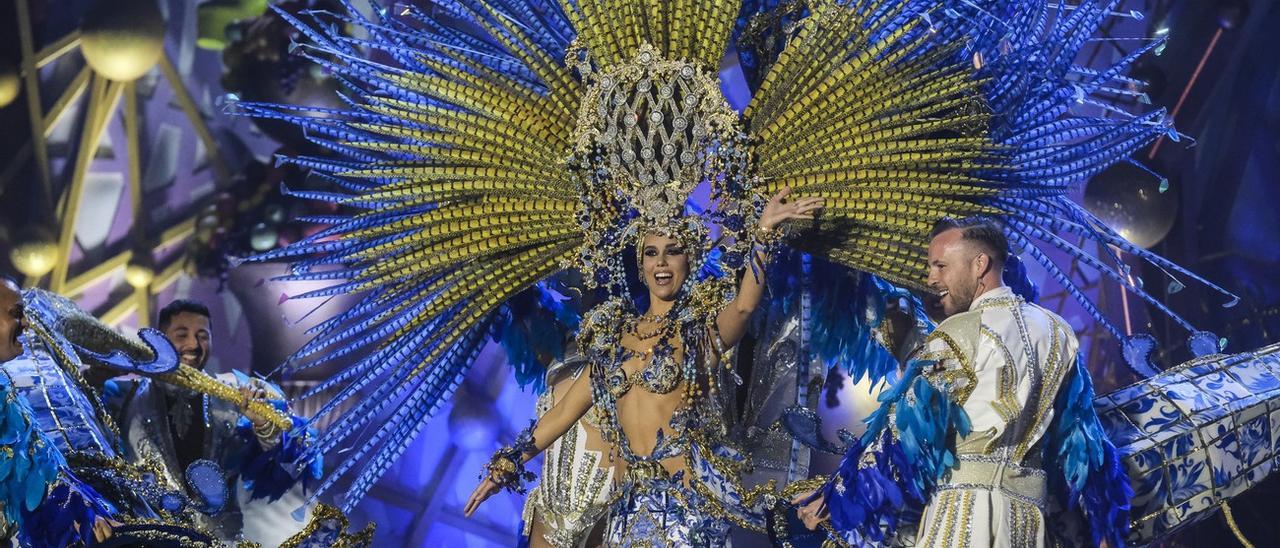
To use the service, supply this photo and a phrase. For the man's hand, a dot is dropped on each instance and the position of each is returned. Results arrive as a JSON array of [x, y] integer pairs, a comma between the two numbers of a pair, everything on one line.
[[102, 528], [812, 514], [250, 392]]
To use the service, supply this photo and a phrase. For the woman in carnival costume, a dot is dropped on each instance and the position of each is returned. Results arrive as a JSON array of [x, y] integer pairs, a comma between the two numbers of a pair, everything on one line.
[[483, 157], [656, 382]]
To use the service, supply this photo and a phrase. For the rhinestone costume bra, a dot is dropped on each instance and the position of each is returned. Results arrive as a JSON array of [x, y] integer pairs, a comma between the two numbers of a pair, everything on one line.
[[660, 376]]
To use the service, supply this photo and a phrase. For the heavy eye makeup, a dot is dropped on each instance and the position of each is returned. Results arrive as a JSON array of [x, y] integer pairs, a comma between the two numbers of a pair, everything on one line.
[[672, 250]]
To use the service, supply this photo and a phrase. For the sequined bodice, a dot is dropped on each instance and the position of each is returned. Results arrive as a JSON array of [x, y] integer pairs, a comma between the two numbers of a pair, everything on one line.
[[660, 376]]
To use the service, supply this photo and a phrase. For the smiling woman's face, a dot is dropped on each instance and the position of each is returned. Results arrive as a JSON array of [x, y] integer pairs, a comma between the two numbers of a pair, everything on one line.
[[664, 265]]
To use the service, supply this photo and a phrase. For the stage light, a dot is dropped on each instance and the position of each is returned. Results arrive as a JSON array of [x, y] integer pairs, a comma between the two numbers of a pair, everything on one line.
[[1134, 202], [35, 252], [10, 83], [263, 237], [139, 275], [122, 39]]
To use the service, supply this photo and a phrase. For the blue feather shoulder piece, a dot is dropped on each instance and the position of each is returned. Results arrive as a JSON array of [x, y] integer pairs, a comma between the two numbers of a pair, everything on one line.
[[1083, 465], [887, 476]]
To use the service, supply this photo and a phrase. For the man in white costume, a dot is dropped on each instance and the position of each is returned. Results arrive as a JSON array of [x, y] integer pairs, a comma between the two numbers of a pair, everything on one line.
[[1003, 360]]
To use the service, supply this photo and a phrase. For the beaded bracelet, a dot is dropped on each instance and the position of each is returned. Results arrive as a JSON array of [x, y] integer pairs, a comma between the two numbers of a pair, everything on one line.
[[506, 467], [768, 237], [265, 431], [767, 243]]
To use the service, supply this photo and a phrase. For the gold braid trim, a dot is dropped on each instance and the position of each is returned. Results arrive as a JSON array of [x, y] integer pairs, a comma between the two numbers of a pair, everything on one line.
[[803, 486], [160, 537], [1235, 528], [198, 381], [323, 513]]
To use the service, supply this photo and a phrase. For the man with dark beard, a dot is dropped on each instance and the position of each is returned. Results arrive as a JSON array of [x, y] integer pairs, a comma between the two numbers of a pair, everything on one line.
[[186, 430]]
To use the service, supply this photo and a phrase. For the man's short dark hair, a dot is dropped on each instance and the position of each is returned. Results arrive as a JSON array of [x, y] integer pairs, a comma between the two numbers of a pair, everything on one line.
[[985, 231], [179, 306]]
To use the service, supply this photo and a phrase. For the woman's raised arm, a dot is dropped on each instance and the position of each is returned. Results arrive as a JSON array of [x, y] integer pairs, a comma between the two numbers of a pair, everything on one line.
[[732, 321]]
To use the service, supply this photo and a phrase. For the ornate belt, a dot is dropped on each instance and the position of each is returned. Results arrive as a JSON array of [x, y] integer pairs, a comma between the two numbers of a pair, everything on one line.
[[645, 470], [996, 474]]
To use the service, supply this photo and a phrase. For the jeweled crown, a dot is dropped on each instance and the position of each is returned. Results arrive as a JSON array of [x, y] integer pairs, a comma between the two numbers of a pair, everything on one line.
[[651, 132]]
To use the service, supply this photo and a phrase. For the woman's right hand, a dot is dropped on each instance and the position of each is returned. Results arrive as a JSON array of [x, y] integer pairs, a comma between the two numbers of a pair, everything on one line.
[[813, 513], [103, 528], [486, 489]]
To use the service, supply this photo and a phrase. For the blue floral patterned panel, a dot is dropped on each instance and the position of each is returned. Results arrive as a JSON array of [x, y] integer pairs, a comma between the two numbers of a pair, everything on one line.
[[1195, 436], [62, 409]]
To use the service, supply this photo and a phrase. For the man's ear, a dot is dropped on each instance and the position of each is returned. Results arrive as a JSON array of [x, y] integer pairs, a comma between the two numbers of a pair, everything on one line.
[[983, 262]]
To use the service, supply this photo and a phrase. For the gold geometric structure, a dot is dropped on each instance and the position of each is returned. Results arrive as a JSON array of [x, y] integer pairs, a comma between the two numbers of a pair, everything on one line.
[[96, 107]]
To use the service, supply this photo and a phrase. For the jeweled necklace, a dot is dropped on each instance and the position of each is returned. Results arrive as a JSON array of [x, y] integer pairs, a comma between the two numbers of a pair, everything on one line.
[[663, 326], [661, 329], [651, 317]]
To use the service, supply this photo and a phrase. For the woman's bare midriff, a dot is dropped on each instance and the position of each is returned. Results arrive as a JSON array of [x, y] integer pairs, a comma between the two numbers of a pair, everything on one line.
[[642, 413]]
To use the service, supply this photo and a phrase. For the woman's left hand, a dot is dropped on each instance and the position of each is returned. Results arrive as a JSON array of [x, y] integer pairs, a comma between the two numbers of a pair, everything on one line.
[[780, 209], [487, 488]]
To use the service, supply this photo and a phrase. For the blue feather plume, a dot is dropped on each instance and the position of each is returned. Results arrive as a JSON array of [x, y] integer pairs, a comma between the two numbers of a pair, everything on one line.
[[532, 328], [1084, 467], [269, 474], [886, 478]]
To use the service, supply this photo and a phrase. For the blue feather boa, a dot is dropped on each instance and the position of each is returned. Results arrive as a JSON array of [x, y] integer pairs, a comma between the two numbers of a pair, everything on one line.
[[886, 478], [31, 463], [269, 474], [1084, 467]]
